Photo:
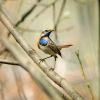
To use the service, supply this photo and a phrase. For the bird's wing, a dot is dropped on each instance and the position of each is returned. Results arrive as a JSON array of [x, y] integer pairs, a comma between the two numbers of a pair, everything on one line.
[[53, 47]]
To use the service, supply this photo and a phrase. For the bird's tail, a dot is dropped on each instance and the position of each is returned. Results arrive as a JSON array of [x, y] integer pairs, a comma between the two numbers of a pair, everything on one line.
[[64, 46]]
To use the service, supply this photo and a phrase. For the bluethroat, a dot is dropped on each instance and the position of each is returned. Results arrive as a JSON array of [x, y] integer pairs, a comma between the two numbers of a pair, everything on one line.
[[48, 46]]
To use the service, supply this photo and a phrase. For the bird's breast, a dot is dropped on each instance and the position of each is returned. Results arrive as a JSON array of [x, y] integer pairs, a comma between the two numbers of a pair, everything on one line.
[[43, 45], [43, 41], [46, 49]]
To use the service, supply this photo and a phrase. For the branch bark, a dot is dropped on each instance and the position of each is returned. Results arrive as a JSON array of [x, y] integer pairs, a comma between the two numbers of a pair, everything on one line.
[[35, 72], [36, 58], [16, 63]]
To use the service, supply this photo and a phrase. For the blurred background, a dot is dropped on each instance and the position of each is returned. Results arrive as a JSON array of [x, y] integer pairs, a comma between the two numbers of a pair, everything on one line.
[[75, 22]]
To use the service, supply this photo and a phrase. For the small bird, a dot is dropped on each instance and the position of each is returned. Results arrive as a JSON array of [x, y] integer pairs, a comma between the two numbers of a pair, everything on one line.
[[48, 46]]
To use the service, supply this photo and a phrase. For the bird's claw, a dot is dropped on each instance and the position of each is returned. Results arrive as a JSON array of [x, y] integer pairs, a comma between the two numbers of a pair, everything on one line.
[[41, 60], [52, 69]]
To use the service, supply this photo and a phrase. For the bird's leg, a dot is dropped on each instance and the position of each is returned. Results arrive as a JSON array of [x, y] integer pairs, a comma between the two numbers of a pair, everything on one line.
[[53, 68], [45, 58]]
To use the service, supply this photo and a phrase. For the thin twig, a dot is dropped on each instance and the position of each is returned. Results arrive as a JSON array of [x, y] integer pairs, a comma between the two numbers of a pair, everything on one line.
[[54, 17], [27, 14], [54, 13], [36, 58], [9, 63], [84, 75], [58, 20], [37, 15], [82, 70], [59, 17], [61, 11]]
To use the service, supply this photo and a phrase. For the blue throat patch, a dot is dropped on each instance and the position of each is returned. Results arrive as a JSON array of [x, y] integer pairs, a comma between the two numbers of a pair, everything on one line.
[[47, 33], [43, 41]]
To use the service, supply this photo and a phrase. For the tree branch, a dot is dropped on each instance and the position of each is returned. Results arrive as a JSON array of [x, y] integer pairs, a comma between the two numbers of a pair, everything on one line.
[[27, 14], [18, 64], [36, 58], [84, 75], [35, 72], [37, 15], [58, 19]]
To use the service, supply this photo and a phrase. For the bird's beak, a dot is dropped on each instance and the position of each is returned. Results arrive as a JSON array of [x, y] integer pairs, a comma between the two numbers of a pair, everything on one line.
[[51, 30]]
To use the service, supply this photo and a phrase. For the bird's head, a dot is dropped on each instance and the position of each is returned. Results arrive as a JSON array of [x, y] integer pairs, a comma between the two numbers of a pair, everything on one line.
[[46, 33]]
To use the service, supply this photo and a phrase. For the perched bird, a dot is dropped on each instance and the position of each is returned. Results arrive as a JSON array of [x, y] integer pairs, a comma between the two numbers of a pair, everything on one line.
[[48, 46]]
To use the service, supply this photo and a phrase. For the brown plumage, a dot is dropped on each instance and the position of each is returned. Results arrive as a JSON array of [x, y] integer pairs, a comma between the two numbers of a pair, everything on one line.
[[48, 46]]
